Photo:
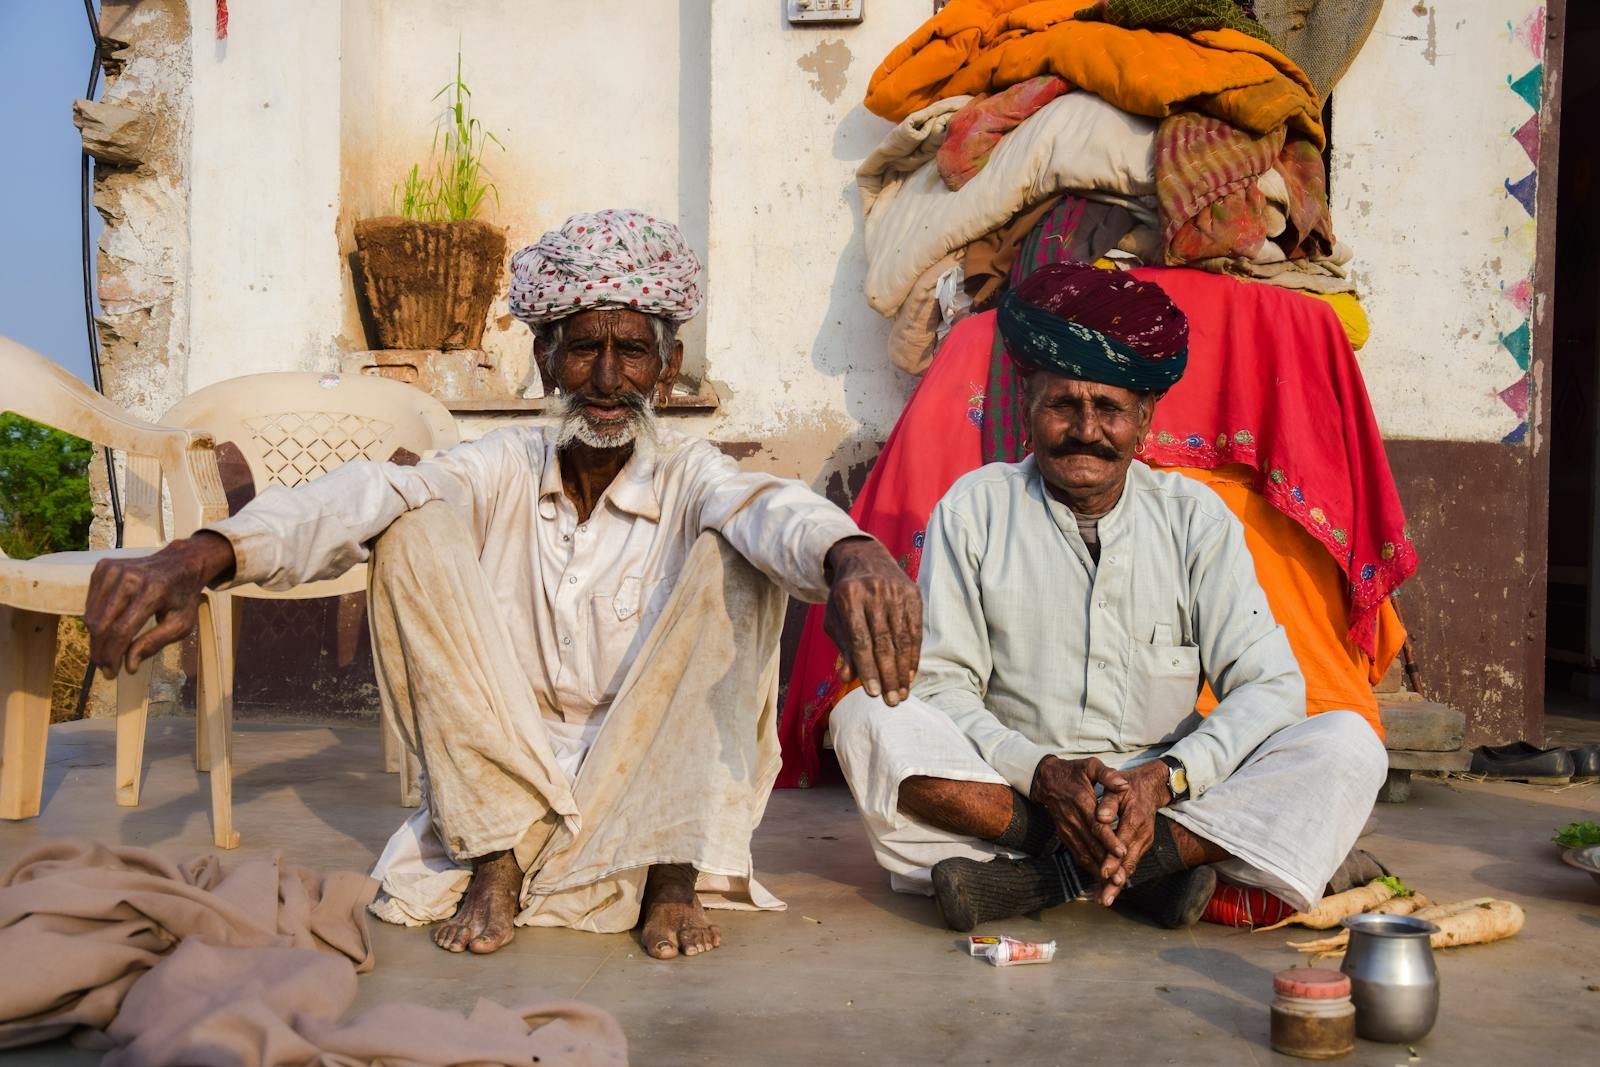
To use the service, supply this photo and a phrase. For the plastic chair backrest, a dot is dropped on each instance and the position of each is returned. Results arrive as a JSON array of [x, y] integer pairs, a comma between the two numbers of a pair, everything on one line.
[[38, 389], [292, 427]]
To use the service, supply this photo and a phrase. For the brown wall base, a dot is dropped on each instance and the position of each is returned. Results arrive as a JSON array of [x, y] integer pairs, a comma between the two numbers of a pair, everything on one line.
[[1475, 608]]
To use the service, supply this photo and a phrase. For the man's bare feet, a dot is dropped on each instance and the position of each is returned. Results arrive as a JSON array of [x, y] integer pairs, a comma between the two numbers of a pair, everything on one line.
[[484, 921], [672, 919]]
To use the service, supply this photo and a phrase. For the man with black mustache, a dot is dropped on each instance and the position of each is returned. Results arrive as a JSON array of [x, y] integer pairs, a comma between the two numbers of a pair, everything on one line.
[[1050, 749], [603, 595]]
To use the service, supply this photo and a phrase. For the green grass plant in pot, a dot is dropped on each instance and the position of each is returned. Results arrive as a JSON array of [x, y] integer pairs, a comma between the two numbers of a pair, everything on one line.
[[430, 270]]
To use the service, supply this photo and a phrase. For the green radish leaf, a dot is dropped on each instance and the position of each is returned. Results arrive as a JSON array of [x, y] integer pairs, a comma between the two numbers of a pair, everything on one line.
[[1399, 887]]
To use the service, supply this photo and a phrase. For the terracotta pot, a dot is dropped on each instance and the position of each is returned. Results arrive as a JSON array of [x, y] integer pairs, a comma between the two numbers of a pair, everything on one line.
[[430, 284]]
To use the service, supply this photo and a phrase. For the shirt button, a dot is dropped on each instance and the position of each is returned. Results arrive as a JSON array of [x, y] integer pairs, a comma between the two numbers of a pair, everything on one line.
[[583, 527], [566, 640], [1101, 604], [566, 537], [572, 580], [1101, 665]]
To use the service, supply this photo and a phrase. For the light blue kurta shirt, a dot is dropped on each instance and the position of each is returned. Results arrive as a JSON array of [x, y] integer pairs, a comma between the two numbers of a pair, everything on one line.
[[1033, 649]]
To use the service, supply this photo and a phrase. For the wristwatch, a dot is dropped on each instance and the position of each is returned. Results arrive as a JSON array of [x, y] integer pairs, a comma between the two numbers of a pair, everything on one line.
[[1177, 778]]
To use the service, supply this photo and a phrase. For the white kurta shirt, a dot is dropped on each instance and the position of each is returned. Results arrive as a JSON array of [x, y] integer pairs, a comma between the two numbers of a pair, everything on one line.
[[1034, 649], [577, 597]]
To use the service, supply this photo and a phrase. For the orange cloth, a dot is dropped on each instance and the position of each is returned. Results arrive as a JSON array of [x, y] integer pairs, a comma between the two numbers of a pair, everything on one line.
[[978, 46], [1309, 598]]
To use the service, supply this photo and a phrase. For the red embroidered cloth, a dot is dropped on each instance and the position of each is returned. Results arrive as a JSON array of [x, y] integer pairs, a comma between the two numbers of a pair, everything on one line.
[[1273, 383]]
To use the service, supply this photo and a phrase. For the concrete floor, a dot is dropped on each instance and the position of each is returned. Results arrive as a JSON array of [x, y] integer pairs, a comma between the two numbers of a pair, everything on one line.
[[853, 973]]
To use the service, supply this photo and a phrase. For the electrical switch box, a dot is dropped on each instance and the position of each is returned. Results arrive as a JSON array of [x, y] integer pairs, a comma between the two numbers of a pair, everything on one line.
[[804, 11]]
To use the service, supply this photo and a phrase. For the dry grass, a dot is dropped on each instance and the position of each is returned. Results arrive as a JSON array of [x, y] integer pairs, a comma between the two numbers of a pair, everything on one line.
[[72, 658]]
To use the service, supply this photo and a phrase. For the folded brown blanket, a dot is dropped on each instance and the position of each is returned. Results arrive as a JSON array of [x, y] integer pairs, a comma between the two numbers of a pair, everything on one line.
[[191, 964]]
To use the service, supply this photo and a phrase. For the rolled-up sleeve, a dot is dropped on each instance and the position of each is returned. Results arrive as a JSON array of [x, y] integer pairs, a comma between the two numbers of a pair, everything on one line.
[[780, 525], [956, 656], [289, 536], [1244, 652]]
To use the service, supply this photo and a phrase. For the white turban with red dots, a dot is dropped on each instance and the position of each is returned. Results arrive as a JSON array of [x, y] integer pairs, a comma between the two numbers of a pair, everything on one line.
[[617, 258]]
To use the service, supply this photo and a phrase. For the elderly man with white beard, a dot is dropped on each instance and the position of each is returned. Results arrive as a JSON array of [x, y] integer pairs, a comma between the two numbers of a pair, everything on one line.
[[576, 632]]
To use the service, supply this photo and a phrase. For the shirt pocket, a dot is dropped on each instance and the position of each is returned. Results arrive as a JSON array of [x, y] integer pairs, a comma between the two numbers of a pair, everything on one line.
[[635, 595], [1163, 682], [625, 602], [621, 624]]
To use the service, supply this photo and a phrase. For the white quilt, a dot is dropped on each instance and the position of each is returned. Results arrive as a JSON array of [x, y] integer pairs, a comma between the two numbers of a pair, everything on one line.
[[1076, 143]]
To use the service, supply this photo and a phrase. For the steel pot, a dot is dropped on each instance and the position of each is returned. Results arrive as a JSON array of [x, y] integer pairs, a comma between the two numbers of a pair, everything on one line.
[[1393, 982]]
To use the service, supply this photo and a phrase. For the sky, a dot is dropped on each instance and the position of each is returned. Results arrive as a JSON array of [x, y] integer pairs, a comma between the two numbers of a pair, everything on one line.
[[45, 53]]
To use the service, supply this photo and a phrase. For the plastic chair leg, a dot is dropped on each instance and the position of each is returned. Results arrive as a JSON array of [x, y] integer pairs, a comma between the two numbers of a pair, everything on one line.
[[133, 711], [227, 615], [202, 751], [215, 707], [27, 666]]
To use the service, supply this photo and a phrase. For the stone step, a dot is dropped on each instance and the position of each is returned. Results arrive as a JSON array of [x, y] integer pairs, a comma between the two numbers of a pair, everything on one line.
[[1421, 725], [1403, 762], [1411, 760]]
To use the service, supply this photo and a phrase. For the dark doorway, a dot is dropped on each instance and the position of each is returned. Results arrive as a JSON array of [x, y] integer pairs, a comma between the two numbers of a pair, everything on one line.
[[1572, 676]]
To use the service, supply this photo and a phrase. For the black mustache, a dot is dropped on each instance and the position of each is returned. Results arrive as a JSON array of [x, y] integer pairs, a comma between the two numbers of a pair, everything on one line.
[[1070, 447]]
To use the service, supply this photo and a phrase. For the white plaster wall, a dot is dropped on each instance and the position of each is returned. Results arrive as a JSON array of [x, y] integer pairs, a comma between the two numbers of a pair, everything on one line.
[[1423, 148], [791, 336], [747, 130], [265, 280], [587, 101]]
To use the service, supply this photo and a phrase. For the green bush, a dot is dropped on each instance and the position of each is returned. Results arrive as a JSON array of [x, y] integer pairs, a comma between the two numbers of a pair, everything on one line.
[[44, 489]]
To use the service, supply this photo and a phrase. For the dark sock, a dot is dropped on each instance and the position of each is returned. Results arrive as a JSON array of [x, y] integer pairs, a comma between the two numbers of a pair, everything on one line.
[[1031, 829], [1175, 901], [970, 892], [1161, 860]]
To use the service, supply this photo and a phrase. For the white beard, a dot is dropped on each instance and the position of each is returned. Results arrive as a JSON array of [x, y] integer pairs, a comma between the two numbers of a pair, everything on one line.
[[640, 429]]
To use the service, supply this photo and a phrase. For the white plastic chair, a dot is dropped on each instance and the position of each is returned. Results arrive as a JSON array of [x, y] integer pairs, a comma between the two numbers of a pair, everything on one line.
[[33, 592], [292, 427]]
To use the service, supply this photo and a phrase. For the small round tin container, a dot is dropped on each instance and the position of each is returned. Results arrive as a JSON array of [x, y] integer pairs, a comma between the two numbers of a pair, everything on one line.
[[1312, 1016]]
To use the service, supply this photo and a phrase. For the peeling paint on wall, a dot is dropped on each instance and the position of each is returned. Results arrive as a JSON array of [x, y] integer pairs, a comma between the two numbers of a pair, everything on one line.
[[143, 260], [830, 63]]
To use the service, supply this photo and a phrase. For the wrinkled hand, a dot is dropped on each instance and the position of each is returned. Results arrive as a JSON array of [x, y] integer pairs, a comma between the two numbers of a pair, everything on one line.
[[1066, 789], [1133, 812], [126, 594], [874, 615]]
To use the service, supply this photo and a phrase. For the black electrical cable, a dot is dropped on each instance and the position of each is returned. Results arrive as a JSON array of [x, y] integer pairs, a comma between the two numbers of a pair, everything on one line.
[[88, 261], [88, 311]]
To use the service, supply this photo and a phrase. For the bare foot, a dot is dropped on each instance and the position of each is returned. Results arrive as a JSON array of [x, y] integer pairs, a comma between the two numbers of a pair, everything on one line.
[[484, 920], [672, 919]]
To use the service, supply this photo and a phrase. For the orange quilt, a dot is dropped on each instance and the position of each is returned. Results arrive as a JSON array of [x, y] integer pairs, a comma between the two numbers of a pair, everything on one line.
[[979, 46], [1306, 592]]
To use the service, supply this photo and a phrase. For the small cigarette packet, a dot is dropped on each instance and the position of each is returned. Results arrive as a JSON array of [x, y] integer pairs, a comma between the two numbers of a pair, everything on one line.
[[981, 946], [1012, 953]]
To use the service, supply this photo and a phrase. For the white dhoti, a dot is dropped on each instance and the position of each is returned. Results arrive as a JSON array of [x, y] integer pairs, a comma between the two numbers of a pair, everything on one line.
[[677, 770], [1288, 814]]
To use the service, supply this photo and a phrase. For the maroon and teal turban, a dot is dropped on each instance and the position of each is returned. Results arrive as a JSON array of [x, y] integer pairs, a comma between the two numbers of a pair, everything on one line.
[[1095, 325]]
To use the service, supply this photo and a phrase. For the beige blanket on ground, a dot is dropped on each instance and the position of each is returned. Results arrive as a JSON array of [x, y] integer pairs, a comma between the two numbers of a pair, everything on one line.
[[191, 964]]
